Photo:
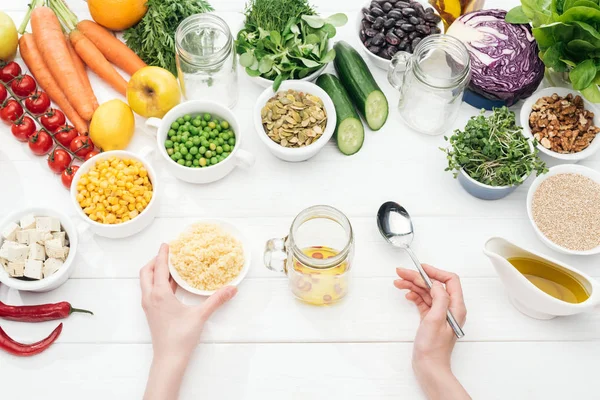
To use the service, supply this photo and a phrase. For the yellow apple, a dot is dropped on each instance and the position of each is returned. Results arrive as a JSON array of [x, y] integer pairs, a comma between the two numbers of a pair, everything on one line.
[[152, 92], [9, 38]]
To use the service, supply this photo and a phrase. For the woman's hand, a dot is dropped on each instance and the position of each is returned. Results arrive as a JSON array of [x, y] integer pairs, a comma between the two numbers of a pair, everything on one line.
[[175, 327], [435, 338]]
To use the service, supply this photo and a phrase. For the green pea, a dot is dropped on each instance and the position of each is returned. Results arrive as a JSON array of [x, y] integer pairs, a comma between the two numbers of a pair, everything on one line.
[[175, 125], [189, 144], [202, 162], [219, 150], [220, 141], [225, 154], [214, 160], [171, 133], [218, 128], [187, 118], [170, 151], [194, 131], [221, 158], [231, 142], [206, 129], [211, 125], [188, 163], [168, 144], [176, 156], [194, 150], [205, 143], [203, 123], [181, 161], [208, 154], [224, 124], [183, 150], [212, 146], [207, 117], [180, 120], [195, 163], [202, 150], [226, 148], [189, 157], [225, 136], [196, 122], [212, 135]]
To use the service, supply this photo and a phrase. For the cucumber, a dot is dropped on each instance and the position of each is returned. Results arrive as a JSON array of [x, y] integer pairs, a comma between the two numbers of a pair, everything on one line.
[[349, 131], [360, 84]]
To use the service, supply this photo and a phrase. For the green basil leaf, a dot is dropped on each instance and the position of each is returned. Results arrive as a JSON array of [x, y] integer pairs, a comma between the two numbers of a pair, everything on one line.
[[314, 21], [247, 59], [516, 16], [328, 57], [583, 74], [309, 63], [592, 93], [339, 19], [275, 37]]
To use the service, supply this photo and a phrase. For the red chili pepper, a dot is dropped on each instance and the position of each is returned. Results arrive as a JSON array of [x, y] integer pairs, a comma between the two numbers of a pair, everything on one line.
[[26, 350], [43, 312]]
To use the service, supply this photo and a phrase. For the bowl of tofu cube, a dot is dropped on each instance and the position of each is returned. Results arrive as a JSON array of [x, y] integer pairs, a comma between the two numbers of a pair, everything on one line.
[[37, 249]]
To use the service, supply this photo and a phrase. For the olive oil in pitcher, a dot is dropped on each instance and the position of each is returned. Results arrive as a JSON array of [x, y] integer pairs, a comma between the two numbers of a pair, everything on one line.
[[551, 280]]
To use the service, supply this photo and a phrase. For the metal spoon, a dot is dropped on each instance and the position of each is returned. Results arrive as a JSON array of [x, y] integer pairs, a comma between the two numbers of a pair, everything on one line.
[[396, 227]]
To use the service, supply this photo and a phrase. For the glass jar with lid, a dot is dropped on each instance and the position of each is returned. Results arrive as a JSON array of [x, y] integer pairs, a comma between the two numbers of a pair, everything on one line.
[[206, 60]]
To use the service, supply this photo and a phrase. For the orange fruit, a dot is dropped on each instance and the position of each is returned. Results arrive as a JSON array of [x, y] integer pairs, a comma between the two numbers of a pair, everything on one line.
[[117, 15]]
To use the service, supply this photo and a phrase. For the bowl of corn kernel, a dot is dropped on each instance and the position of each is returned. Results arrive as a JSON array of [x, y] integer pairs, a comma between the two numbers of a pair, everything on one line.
[[115, 193]]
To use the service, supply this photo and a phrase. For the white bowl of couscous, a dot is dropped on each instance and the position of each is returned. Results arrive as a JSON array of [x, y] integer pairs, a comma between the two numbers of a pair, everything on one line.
[[208, 255], [115, 193]]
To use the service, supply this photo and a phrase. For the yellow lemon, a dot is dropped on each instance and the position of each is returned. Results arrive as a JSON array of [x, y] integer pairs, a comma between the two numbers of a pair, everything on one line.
[[112, 125], [9, 39], [117, 15]]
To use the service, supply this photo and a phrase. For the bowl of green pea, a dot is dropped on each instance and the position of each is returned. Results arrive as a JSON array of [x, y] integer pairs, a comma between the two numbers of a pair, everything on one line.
[[200, 140]]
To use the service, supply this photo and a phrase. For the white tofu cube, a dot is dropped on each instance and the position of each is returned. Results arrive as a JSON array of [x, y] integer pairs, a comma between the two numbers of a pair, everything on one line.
[[62, 236], [4, 263], [24, 236], [16, 269], [10, 232], [47, 224], [33, 269], [28, 222], [37, 252], [17, 253], [40, 237], [51, 265], [55, 249]]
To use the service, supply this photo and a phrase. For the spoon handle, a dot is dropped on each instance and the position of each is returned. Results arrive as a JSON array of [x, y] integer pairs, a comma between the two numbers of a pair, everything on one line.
[[449, 317]]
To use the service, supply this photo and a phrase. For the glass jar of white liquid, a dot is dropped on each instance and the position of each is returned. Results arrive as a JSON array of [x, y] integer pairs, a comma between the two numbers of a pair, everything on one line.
[[206, 61], [431, 82]]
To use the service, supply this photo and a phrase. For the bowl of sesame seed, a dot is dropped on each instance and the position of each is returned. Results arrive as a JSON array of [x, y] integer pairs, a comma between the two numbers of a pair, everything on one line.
[[564, 208]]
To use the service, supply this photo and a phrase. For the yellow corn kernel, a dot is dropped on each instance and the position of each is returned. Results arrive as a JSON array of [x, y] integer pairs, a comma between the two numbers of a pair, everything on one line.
[[90, 187], [93, 173], [83, 180], [111, 218], [113, 200], [128, 185], [114, 208], [105, 203], [131, 207], [120, 184], [104, 184], [133, 214], [80, 197], [93, 217], [143, 173], [147, 196], [139, 207]]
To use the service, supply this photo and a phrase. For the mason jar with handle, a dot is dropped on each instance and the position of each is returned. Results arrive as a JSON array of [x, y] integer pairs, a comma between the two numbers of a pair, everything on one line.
[[431, 82], [316, 255]]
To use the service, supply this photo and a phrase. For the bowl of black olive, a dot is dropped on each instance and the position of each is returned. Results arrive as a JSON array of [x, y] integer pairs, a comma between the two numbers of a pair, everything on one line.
[[386, 27]]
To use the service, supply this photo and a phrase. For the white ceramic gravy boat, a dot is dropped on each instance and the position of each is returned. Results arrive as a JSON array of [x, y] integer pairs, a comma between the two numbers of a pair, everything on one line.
[[524, 295]]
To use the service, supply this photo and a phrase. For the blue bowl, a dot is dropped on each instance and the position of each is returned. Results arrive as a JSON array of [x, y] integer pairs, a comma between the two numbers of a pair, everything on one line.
[[478, 101], [481, 191]]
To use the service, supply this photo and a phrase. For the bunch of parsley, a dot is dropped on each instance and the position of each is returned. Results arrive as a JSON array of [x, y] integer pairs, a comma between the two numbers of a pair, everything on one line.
[[153, 38], [493, 151]]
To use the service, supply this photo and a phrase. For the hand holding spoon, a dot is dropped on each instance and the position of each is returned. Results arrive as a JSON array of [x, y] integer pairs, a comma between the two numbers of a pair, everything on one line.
[[396, 227]]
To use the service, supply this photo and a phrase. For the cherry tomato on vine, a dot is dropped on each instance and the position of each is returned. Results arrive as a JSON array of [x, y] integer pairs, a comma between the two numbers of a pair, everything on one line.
[[10, 71], [3, 93], [91, 154], [67, 175], [59, 160], [38, 102], [40, 143], [52, 119], [23, 128], [65, 134], [81, 146], [10, 111], [23, 85]]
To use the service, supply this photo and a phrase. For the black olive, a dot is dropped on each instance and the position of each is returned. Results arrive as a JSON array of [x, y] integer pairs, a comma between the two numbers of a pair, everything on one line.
[[377, 12], [400, 22], [378, 24], [413, 20], [418, 8], [421, 21], [374, 49], [401, 4], [403, 44], [399, 32], [389, 23], [430, 17], [365, 25], [369, 18], [392, 39], [378, 39], [435, 30], [367, 42], [414, 43], [407, 12], [413, 35], [370, 32], [424, 29], [387, 6], [429, 10], [376, 4], [362, 35], [407, 27]]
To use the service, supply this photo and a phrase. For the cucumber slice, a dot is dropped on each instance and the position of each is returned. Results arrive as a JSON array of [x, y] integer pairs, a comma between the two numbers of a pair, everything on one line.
[[350, 136]]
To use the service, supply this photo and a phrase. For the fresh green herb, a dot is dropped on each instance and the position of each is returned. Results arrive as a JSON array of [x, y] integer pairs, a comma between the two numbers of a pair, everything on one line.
[[493, 151], [153, 38], [568, 36], [284, 39]]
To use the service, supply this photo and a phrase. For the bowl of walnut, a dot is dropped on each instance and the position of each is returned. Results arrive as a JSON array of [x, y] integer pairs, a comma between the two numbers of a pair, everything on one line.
[[565, 125]]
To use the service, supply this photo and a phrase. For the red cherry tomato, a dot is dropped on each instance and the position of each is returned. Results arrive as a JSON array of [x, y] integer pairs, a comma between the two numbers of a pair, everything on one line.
[[81, 146], [40, 143], [52, 119], [38, 102], [59, 160], [3, 93], [91, 154], [11, 111], [10, 71], [67, 175], [23, 128], [23, 85], [65, 135]]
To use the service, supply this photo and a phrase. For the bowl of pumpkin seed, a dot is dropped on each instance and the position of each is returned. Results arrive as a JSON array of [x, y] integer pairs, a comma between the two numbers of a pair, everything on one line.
[[295, 122]]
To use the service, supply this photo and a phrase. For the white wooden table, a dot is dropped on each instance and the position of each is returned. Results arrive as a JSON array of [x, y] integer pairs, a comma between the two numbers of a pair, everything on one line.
[[266, 345]]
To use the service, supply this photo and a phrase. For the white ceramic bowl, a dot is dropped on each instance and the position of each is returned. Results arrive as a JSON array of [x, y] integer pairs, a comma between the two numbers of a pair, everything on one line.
[[128, 228], [263, 82], [232, 230], [560, 169], [526, 111], [63, 273], [302, 153], [381, 62], [207, 174]]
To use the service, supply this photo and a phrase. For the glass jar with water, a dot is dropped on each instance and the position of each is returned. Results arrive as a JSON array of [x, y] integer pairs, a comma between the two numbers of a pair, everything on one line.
[[431, 82], [206, 60]]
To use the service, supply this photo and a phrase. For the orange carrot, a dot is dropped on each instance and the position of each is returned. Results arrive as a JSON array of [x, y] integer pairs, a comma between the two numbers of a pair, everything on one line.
[[35, 62], [94, 59], [113, 49], [86, 88], [50, 42]]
